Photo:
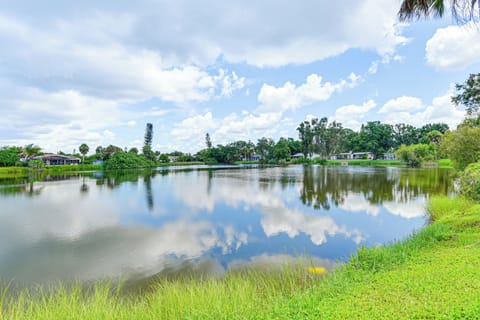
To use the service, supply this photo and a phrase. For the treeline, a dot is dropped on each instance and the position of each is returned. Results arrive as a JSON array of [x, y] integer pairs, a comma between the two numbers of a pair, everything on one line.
[[315, 137], [327, 139]]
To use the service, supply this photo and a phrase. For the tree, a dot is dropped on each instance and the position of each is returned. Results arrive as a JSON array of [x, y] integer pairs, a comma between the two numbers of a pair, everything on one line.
[[335, 138], [405, 134], [319, 131], [281, 151], [469, 95], [147, 146], [208, 141], [9, 156], [265, 149], [462, 146], [133, 150], [30, 151], [376, 137], [148, 135], [462, 10], [83, 150], [305, 135], [416, 154]]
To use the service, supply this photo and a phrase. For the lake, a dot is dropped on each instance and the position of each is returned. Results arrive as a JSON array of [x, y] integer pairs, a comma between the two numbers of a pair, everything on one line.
[[203, 220]]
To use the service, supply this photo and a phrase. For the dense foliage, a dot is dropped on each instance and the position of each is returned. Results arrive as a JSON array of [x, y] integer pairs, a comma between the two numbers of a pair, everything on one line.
[[127, 160], [9, 156], [416, 154], [462, 146], [469, 181]]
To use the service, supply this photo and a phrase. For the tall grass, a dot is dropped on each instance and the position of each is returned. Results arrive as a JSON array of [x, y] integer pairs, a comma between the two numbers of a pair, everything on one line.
[[238, 295]]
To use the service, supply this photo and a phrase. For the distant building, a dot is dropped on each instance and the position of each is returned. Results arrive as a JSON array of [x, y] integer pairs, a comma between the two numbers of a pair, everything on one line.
[[389, 156], [353, 156], [57, 159], [301, 155], [253, 157]]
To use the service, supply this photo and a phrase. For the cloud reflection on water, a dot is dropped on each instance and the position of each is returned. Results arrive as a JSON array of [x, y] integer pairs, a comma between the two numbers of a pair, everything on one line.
[[114, 230]]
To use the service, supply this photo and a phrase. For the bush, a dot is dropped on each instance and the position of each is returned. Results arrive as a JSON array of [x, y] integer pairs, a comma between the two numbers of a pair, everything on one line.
[[301, 160], [127, 160], [469, 181], [416, 154], [319, 161], [35, 164]]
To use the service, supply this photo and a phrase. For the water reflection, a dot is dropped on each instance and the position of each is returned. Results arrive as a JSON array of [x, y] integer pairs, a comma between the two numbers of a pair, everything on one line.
[[146, 223]]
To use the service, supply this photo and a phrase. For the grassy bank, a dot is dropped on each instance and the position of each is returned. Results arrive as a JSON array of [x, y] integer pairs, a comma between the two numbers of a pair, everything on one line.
[[434, 274], [13, 172], [22, 172]]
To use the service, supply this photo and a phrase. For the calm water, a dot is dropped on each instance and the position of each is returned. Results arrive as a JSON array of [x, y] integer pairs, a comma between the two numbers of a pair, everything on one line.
[[174, 221]]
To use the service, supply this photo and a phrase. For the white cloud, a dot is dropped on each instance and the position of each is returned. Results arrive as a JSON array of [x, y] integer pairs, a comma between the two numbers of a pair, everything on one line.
[[60, 120], [354, 202], [194, 129], [289, 96], [104, 68], [276, 217], [454, 47], [295, 33], [351, 116], [229, 83], [278, 220], [232, 127], [402, 104], [441, 110], [407, 210]]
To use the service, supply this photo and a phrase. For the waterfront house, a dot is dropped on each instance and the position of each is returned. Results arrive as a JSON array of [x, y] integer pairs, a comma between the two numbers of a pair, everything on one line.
[[57, 159], [353, 155]]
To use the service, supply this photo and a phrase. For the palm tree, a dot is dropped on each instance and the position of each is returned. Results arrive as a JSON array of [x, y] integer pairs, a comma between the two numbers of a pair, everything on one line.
[[31, 150], [83, 150], [462, 10]]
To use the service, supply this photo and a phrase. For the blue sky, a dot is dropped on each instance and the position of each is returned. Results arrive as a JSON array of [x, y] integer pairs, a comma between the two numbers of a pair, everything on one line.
[[96, 73]]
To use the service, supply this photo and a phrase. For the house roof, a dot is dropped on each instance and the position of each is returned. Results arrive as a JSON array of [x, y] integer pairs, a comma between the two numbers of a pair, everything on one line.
[[52, 156]]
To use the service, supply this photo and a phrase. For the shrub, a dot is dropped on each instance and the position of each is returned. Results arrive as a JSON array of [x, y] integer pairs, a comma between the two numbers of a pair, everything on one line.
[[416, 154], [301, 160], [469, 181], [127, 160]]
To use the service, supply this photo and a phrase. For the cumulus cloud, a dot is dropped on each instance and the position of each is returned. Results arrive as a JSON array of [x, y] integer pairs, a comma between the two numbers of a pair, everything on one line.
[[417, 114], [59, 120], [454, 47], [194, 127], [289, 96], [402, 104], [293, 222], [352, 116], [223, 130]]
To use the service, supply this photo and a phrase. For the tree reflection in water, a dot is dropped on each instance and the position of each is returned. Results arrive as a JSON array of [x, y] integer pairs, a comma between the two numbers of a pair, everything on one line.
[[323, 185]]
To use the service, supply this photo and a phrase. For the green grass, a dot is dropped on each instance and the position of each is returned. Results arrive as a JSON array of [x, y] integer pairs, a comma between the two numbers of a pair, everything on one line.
[[434, 274], [72, 168], [13, 172], [444, 163], [21, 172]]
